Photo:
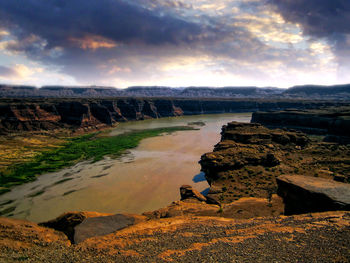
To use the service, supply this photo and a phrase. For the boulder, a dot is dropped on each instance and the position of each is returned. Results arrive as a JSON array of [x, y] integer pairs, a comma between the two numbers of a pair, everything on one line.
[[188, 192], [79, 226], [67, 222], [305, 194], [100, 226]]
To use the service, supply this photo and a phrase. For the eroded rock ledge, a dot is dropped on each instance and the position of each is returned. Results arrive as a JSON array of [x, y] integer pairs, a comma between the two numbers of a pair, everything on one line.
[[334, 122], [305, 194], [249, 158], [50, 114]]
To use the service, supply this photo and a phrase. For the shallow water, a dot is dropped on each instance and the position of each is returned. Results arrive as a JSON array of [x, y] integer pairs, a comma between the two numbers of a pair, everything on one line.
[[144, 179]]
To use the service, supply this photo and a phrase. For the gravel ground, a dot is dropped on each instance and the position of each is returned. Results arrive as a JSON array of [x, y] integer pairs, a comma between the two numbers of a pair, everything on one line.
[[309, 238]]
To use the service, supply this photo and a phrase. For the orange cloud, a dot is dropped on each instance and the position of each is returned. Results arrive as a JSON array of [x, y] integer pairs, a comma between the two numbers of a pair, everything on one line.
[[93, 42]]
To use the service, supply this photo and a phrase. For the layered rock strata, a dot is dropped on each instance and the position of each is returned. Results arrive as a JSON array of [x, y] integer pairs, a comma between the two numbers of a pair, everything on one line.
[[333, 122], [49, 114], [249, 158]]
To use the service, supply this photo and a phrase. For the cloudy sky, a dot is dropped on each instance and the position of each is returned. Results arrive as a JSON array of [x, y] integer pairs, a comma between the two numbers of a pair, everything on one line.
[[175, 42]]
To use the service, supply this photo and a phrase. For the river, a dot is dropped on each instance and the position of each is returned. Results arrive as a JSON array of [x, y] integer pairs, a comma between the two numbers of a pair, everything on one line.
[[143, 179]]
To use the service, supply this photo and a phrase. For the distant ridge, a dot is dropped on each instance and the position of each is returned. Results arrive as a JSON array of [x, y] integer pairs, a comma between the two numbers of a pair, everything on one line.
[[316, 91], [336, 92]]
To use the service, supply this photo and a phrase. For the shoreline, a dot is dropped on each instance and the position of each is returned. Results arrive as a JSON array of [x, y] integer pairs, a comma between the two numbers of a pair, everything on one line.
[[155, 155]]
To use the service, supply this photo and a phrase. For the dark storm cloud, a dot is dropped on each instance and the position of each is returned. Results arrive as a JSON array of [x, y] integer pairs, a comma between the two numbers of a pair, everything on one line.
[[106, 39], [7, 72], [66, 33], [319, 18], [57, 21], [329, 19]]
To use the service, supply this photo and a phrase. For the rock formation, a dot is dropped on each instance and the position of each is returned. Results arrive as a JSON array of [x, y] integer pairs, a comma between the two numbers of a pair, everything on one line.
[[49, 114], [333, 122], [67, 222], [305, 194], [239, 165], [78, 226], [188, 192]]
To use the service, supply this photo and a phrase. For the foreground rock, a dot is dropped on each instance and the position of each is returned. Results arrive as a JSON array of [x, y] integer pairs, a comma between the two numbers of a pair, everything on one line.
[[323, 237], [304, 194], [78, 226], [195, 204], [188, 192], [103, 225], [68, 221]]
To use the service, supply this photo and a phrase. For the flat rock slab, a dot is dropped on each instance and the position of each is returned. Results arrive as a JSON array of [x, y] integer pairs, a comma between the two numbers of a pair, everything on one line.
[[304, 194], [100, 226]]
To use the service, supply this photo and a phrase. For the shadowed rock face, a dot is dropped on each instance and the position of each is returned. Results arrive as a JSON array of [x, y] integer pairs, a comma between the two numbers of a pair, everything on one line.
[[67, 222], [334, 122], [38, 114], [304, 194], [187, 191], [78, 226], [100, 226]]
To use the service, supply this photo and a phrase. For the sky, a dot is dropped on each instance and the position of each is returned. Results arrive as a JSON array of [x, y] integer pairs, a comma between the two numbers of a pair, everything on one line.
[[175, 43]]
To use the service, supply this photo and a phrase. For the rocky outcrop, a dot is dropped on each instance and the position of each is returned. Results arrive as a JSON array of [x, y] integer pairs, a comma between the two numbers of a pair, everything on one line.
[[305, 194], [239, 165], [249, 158], [254, 133], [67, 222], [243, 208], [333, 122], [188, 192], [103, 225], [49, 114], [78, 226]]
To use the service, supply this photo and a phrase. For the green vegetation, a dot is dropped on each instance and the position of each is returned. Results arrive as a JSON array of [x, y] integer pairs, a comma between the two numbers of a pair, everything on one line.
[[196, 123], [92, 146], [7, 210], [62, 181], [37, 193]]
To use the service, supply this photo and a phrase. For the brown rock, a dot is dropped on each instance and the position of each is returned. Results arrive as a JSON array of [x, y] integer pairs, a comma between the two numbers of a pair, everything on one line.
[[304, 194], [67, 222], [187, 192], [100, 226], [250, 207]]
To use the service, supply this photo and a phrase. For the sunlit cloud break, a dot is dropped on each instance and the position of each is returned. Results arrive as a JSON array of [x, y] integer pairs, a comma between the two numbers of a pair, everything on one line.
[[175, 43]]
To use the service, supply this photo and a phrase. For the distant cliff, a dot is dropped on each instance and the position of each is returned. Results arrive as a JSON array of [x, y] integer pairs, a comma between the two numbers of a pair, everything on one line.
[[49, 114], [339, 92], [319, 92], [334, 122]]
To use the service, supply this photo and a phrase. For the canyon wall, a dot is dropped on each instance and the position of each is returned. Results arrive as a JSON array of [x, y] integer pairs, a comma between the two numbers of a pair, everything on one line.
[[333, 122], [49, 114]]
